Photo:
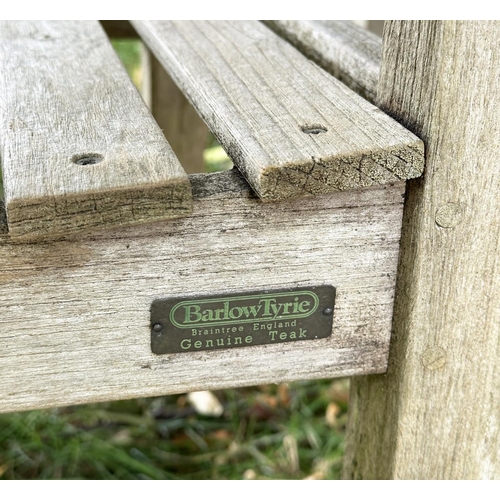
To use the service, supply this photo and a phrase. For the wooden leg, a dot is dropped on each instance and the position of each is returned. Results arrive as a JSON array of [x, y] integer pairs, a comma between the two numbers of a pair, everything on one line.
[[435, 414], [184, 129]]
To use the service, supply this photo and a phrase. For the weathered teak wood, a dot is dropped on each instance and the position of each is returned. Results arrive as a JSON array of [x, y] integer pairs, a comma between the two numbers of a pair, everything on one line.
[[79, 147], [3, 218], [436, 414], [290, 127], [74, 314], [344, 49]]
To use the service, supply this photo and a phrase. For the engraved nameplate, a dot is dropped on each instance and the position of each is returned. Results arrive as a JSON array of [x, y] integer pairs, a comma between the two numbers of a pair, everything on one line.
[[241, 320]]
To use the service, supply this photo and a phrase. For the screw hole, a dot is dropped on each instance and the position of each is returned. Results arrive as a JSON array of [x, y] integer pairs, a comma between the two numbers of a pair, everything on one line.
[[87, 159], [313, 129]]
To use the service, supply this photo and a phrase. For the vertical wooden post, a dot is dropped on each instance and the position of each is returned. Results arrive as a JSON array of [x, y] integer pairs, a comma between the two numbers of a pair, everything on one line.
[[184, 129], [436, 413]]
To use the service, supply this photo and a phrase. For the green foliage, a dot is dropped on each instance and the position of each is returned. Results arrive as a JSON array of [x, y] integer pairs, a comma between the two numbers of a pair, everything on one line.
[[269, 432], [216, 159], [129, 51]]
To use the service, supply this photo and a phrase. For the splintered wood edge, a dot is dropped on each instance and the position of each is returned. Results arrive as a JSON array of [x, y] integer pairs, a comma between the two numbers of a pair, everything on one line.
[[329, 174], [230, 182], [36, 221]]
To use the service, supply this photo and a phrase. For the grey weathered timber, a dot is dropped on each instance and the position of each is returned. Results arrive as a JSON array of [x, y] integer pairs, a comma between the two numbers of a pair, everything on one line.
[[344, 49], [436, 414], [79, 147], [376, 27], [291, 128], [74, 314], [185, 131], [3, 218]]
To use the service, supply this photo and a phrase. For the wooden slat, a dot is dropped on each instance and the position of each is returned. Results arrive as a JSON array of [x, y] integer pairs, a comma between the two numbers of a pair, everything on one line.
[[436, 414], [262, 99], [344, 49], [64, 98], [75, 314]]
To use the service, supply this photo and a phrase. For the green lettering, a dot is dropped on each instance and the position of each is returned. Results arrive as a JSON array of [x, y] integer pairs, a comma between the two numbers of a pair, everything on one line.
[[226, 310], [235, 313], [190, 311], [251, 311], [208, 315], [304, 306], [267, 305]]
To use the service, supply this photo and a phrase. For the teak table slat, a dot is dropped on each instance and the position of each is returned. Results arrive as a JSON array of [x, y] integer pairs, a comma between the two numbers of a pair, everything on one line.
[[291, 128], [79, 147], [344, 49]]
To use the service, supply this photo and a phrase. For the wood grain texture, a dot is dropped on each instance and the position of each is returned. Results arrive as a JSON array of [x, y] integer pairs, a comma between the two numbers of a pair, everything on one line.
[[3, 218], [261, 98], [435, 415], [184, 130], [344, 49], [74, 314], [64, 96]]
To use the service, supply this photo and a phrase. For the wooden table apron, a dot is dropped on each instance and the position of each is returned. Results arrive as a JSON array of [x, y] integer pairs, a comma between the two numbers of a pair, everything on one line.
[[75, 314]]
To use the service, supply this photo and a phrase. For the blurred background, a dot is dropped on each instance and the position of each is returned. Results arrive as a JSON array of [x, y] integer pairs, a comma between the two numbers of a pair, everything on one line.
[[286, 431]]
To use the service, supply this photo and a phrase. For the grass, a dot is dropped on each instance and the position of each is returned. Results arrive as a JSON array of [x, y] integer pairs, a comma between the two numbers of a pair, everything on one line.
[[269, 432]]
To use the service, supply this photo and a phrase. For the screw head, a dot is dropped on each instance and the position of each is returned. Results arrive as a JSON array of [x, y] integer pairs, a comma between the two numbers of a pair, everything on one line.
[[328, 311], [158, 327], [87, 159]]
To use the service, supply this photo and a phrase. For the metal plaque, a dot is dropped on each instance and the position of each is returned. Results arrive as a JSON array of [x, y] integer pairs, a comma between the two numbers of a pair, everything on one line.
[[241, 320]]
